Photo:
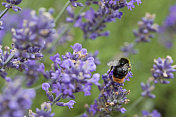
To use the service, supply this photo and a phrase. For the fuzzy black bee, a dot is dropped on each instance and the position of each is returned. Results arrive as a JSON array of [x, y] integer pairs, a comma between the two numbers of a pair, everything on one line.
[[120, 69]]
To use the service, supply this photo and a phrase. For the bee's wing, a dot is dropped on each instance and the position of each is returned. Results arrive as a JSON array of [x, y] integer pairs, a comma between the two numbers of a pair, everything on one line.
[[112, 63]]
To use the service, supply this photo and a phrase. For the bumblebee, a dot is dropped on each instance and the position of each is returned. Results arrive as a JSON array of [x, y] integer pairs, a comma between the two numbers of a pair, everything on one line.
[[120, 69]]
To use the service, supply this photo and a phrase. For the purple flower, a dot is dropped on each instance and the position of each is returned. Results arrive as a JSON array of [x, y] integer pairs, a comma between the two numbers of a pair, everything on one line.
[[129, 75], [32, 70], [12, 4], [168, 29], [75, 3], [71, 74], [45, 86], [36, 35], [7, 61], [128, 49], [69, 104], [154, 113], [95, 78], [138, 1], [14, 100], [13, 21], [96, 59], [163, 70], [77, 47], [84, 115], [93, 109], [95, 20], [146, 28], [122, 110], [1, 27], [16, 2], [147, 88], [111, 98], [44, 112]]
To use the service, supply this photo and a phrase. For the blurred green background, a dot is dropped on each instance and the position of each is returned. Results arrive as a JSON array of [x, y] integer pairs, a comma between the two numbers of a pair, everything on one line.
[[109, 47]]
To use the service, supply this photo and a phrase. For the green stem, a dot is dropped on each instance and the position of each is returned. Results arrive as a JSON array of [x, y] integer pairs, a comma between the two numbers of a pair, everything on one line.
[[56, 99], [9, 58], [82, 9], [4, 12], [40, 86], [37, 87], [62, 11]]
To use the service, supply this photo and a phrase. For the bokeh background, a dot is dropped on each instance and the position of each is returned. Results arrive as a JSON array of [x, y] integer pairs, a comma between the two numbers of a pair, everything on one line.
[[109, 48]]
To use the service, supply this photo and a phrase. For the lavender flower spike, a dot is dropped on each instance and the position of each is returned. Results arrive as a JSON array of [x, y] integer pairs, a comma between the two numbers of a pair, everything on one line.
[[147, 88], [14, 100], [111, 98], [71, 74], [146, 28], [128, 49], [93, 22], [163, 70], [36, 34], [168, 29]]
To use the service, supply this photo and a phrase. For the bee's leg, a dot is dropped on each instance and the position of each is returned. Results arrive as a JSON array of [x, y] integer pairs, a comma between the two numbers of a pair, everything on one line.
[[110, 69]]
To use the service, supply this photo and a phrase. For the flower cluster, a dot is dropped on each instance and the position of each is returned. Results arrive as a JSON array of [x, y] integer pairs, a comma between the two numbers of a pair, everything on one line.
[[168, 29], [44, 112], [171, 20], [69, 104], [36, 34], [128, 49], [144, 33], [71, 74], [13, 21], [7, 61], [12, 4], [154, 113], [146, 28], [163, 70], [32, 70], [94, 55], [111, 98], [14, 100], [96, 21]]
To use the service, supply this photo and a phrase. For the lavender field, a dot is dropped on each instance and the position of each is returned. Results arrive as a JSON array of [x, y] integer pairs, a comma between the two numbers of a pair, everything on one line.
[[87, 58]]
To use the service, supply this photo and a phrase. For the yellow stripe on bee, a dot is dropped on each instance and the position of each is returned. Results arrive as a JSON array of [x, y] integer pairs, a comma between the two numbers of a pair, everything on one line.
[[118, 80]]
